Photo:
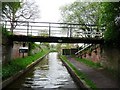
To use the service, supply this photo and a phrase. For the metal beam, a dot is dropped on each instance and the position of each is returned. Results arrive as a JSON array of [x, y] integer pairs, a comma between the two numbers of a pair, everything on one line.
[[55, 39]]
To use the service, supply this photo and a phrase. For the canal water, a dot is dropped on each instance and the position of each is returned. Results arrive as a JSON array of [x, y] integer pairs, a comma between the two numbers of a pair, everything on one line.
[[48, 74]]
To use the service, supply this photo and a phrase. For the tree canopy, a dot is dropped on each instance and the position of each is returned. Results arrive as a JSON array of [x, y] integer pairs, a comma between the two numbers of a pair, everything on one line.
[[80, 12], [110, 14], [19, 11], [98, 13]]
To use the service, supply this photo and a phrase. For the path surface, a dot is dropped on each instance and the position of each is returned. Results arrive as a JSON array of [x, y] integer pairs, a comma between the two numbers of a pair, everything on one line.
[[101, 80]]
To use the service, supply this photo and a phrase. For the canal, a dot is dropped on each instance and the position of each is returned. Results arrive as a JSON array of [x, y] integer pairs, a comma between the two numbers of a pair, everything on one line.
[[49, 73]]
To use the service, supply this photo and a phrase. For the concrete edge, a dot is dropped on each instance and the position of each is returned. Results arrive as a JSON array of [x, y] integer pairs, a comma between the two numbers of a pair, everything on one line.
[[17, 75], [80, 83]]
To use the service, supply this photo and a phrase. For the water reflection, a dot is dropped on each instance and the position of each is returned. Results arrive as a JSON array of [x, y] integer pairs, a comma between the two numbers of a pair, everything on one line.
[[49, 73]]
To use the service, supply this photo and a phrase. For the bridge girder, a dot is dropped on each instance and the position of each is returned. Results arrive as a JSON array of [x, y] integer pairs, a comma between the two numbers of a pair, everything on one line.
[[55, 39]]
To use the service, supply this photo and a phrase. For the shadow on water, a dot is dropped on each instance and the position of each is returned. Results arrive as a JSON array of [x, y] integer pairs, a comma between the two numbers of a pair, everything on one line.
[[48, 74]]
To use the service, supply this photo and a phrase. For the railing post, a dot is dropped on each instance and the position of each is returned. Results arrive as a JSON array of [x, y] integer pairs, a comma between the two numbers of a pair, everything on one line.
[[27, 28], [49, 29], [31, 30], [70, 31]]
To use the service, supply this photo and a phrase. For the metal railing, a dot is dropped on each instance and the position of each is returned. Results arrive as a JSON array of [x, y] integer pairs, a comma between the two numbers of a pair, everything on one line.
[[51, 29]]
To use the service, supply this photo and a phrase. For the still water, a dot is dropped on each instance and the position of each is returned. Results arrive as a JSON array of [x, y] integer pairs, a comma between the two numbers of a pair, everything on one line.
[[48, 74]]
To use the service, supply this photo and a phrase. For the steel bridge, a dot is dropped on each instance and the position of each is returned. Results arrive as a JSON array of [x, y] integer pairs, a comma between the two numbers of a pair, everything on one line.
[[55, 32]]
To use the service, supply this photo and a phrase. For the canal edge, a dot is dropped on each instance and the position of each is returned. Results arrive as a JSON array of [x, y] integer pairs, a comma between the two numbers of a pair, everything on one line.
[[20, 73], [80, 83]]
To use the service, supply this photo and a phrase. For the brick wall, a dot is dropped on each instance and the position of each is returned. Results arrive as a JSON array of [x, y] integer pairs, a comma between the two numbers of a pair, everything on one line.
[[15, 51], [93, 55]]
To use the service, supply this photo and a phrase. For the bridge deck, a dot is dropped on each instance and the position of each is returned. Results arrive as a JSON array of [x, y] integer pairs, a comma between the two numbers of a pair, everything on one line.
[[55, 39]]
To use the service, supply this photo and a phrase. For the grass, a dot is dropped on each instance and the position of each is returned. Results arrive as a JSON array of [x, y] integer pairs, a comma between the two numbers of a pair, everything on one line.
[[89, 63], [80, 74], [18, 64]]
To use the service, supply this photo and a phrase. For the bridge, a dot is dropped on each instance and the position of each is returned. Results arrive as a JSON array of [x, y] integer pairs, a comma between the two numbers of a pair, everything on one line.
[[51, 32]]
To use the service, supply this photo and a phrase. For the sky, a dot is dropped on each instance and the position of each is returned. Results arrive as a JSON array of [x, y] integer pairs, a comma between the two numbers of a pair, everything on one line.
[[49, 9]]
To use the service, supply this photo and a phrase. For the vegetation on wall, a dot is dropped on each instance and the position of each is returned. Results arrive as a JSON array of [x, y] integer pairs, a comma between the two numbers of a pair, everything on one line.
[[110, 18], [32, 46]]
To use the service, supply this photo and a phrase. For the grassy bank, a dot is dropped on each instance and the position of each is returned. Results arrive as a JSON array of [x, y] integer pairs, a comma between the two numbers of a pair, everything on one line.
[[89, 63], [18, 64], [81, 75]]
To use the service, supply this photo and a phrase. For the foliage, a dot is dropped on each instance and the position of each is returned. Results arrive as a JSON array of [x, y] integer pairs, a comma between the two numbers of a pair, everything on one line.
[[5, 32], [9, 10], [109, 12], [45, 45], [32, 46], [19, 11], [89, 63], [105, 14], [80, 12], [16, 65], [80, 74]]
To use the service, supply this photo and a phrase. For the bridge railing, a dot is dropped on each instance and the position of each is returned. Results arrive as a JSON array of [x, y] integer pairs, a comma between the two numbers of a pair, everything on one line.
[[51, 29]]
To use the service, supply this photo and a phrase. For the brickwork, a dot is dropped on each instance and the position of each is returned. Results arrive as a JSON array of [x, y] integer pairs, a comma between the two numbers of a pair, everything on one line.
[[94, 55], [15, 51]]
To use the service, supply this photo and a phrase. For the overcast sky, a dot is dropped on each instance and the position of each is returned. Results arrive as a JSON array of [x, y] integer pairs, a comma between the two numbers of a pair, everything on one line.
[[49, 9]]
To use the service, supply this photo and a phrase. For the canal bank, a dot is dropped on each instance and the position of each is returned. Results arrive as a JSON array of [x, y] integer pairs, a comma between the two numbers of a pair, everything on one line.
[[21, 72], [80, 83], [49, 73], [96, 76]]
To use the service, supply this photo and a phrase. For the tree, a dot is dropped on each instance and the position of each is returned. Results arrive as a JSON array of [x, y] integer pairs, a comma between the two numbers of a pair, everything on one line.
[[9, 10], [81, 13], [16, 11], [110, 14]]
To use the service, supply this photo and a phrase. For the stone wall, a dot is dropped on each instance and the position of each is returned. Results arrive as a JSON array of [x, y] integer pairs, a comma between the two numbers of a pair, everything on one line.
[[6, 49], [110, 57]]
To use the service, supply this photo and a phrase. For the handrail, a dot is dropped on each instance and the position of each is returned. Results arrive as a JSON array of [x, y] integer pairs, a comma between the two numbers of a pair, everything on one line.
[[65, 29]]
